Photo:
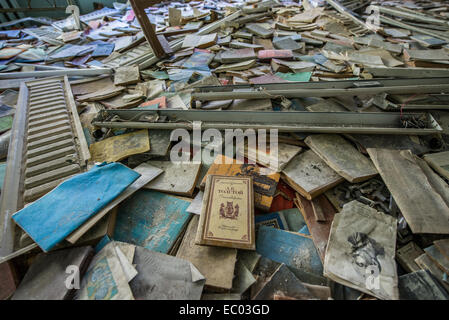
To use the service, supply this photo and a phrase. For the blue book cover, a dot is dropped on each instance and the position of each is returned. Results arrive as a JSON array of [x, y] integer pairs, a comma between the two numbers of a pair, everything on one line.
[[151, 219], [274, 220], [199, 61], [50, 219], [292, 249]]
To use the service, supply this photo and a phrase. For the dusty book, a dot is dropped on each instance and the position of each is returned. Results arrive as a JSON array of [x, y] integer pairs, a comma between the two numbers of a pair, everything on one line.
[[309, 175], [227, 216], [214, 263], [275, 159]]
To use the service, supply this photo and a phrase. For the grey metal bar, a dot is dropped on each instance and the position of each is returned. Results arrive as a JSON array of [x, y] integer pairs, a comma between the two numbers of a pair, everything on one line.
[[300, 93], [408, 72], [340, 84], [323, 122], [11, 186], [52, 73]]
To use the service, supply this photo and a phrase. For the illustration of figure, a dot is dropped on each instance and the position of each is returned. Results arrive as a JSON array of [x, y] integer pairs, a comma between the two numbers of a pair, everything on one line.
[[222, 211], [229, 209], [236, 211]]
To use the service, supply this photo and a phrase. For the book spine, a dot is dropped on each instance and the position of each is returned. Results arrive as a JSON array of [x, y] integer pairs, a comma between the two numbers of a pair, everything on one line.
[[204, 210]]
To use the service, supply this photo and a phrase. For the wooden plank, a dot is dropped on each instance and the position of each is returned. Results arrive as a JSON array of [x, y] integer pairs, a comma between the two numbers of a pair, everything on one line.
[[425, 202], [341, 156], [216, 264], [319, 230], [8, 280], [139, 7]]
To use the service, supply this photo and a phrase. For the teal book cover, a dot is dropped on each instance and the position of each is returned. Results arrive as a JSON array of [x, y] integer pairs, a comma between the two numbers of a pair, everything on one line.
[[152, 220], [292, 249]]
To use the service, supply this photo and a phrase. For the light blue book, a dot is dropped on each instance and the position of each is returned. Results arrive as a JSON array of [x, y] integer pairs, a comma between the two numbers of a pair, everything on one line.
[[293, 249], [50, 219], [152, 220]]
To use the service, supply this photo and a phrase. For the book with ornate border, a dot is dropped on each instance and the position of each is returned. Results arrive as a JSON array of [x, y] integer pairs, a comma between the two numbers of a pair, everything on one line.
[[227, 216]]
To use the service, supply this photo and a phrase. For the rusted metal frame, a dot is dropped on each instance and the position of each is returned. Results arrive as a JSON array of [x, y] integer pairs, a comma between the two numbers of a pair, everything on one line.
[[295, 121], [139, 7]]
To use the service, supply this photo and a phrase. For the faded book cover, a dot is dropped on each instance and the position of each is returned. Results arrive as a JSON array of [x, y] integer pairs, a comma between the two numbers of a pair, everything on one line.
[[227, 216]]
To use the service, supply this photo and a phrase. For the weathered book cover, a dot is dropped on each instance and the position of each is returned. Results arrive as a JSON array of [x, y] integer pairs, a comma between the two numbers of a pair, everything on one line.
[[227, 216], [152, 220], [214, 263], [274, 220], [270, 54], [164, 277], [309, 175], [47, 277], [105, 278]]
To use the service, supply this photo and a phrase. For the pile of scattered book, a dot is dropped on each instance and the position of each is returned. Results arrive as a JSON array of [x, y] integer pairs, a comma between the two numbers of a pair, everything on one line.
[[325, 216]]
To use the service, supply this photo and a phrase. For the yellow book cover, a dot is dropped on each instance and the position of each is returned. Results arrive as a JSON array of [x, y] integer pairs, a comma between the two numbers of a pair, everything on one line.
[[227, 216]]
